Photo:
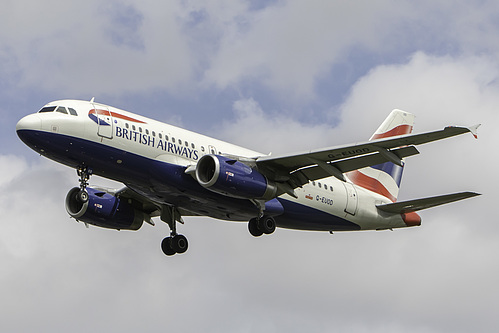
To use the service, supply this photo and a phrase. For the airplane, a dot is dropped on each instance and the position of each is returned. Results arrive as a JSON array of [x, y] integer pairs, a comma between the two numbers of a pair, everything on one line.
[[171, 173]]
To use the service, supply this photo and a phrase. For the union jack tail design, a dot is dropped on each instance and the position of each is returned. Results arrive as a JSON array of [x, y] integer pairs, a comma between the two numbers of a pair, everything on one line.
[[385, 178]]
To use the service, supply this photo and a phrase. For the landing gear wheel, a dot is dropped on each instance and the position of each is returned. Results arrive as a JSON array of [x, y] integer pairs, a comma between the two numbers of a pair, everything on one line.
[[253, 228], [82, 196], [266, 224], [166, 246], [175, 243], [179, 243]]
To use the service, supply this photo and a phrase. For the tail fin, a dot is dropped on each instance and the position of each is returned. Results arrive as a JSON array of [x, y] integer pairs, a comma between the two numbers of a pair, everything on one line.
[[385, 178]]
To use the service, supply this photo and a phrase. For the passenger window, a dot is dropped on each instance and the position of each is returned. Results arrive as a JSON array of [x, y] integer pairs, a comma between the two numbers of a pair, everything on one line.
[[126, 125], [193, 146], [313, 183], [319, 185], [72, 112], [186, 144], [160, 135], [140, 129], [62, 109], [153, 133], [173, 140], [47, 109], [133, 127], [179, 141], [166, 137], [331, 188], [202, 148], [147, 131]]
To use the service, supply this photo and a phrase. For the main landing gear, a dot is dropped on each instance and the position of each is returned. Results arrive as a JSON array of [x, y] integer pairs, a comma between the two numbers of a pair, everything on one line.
[[84, 173], [263, 225], [175, 243]]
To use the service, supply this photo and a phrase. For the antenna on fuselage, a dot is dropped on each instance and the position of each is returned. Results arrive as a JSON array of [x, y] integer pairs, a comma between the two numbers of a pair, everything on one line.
[[92, 100]]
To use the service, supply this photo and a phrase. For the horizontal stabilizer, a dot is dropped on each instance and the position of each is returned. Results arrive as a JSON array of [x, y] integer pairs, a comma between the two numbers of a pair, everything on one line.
[[419, 204]]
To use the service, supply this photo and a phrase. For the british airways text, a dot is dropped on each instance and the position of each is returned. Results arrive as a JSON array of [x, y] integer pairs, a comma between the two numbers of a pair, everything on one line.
[[157, 143]]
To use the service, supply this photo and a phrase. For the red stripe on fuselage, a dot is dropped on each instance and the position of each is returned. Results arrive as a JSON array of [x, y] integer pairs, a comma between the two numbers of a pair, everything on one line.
[[115, 115], [399, 130], [369, 183]]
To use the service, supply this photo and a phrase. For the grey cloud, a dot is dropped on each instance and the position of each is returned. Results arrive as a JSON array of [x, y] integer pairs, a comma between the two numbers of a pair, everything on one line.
[[124, 25], [67, 48], [439, 277], [289, 47]]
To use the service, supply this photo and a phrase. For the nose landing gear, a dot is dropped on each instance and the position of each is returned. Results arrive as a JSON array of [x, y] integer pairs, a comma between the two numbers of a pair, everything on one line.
[[84, 173]]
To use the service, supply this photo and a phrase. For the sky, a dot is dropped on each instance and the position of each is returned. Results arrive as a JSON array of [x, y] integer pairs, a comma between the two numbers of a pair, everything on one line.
[[274, 76]]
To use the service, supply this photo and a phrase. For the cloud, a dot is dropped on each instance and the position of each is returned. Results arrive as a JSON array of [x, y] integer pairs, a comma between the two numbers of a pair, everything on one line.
[[291, 45], [288, 47], [427, 59], [80, 48], [124, 26], [268, 132], [13, 166], [441, 89]]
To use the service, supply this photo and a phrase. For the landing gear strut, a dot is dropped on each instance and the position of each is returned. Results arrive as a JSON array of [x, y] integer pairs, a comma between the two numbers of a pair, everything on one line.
[[84, 173], [175, 243], [263, 225]]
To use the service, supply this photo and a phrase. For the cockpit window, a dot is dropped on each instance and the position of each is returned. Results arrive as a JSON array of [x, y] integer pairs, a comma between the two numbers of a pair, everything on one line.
[[47, 109], [62, 109]]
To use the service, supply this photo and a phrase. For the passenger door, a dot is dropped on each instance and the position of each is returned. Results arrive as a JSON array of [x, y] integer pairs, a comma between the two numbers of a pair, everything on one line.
[[104, 122]]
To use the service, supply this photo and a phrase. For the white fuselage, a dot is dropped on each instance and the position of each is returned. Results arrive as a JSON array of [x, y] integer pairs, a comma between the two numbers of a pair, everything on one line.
[[123, 142]]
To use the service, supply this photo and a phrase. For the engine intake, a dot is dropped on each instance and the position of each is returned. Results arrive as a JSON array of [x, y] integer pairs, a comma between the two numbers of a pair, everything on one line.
[[103, 210], [233, 178]]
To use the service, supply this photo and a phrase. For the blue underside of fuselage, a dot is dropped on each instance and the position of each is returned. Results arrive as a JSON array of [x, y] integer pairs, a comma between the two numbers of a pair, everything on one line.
[[163, 182]]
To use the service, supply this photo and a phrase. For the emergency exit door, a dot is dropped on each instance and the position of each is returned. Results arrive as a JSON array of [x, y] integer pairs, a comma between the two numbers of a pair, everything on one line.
[[352, 200]]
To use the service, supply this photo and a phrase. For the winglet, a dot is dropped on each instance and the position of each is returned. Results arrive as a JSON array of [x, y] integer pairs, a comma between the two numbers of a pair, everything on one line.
[[474, 130]]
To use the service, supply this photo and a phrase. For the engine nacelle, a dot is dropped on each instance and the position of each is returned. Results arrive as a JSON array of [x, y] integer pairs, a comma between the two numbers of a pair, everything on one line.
[[233, 178], [103, 210]]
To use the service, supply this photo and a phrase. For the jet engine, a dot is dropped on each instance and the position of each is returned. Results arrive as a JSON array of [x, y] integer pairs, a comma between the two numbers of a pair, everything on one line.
[[233, 178], [103, 210]]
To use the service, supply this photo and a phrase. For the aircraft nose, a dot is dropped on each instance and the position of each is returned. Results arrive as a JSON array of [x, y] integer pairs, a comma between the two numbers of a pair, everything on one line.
[[27, 129], [30, 122]]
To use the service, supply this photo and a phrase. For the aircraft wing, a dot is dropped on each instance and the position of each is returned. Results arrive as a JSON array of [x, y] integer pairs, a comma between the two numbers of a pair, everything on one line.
[[298, 169], [139, 201], [419, 204]]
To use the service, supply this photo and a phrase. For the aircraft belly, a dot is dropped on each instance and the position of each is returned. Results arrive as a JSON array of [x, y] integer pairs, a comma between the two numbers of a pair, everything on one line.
[[299, 216]]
